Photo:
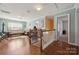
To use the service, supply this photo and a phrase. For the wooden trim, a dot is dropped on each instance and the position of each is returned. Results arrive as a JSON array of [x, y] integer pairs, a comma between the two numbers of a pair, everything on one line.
[[41, 45]]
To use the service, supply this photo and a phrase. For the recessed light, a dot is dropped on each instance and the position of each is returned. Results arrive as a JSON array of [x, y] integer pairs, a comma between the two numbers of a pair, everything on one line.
[[38, 8]]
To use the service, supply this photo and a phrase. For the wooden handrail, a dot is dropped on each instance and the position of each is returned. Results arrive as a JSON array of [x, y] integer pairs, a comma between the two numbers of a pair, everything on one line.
[[48, 30]]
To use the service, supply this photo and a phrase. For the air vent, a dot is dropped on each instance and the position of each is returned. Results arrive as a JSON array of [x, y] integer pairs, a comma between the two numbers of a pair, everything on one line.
[[5, 11]]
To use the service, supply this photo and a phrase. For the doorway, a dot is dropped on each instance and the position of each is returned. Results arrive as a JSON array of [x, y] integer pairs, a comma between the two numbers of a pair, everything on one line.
[[63, 28]]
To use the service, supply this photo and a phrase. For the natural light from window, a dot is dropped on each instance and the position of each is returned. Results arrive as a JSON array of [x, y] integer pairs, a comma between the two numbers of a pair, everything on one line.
[[14, 26]]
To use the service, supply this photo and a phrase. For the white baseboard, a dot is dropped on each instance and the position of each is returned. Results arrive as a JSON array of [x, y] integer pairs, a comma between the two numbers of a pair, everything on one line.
[[46, 45], [73, 44]]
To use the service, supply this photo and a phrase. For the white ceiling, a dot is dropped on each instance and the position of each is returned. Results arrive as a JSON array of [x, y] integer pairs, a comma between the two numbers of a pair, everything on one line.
[[27, 11]]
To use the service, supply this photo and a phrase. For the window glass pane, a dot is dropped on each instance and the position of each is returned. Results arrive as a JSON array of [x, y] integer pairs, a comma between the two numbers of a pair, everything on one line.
[[14, 26]]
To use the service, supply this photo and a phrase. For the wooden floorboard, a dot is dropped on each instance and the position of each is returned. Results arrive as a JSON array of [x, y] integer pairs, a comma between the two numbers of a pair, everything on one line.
[[21, 46], [18, 46], [61, 48]]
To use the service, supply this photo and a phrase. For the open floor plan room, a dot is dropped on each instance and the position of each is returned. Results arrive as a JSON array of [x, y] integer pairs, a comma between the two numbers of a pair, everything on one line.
[[39, 29]]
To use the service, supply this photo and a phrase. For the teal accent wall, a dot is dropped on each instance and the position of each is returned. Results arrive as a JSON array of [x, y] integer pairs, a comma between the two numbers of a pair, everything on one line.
[[8, 20]]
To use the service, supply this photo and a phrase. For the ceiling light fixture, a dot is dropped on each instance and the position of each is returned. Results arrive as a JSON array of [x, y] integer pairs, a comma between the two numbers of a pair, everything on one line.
[[38, 7]]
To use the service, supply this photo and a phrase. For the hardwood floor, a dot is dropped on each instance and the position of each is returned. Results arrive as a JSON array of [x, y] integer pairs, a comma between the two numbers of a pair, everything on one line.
[[35, 50], [61, 48], [12, 46], [20, 46]]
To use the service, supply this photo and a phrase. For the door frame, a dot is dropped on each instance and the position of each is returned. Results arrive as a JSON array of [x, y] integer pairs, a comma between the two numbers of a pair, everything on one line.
[[68, 26]]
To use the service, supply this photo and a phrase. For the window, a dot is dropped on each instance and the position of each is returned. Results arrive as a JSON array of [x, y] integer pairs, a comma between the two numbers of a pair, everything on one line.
[[14, 26]]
